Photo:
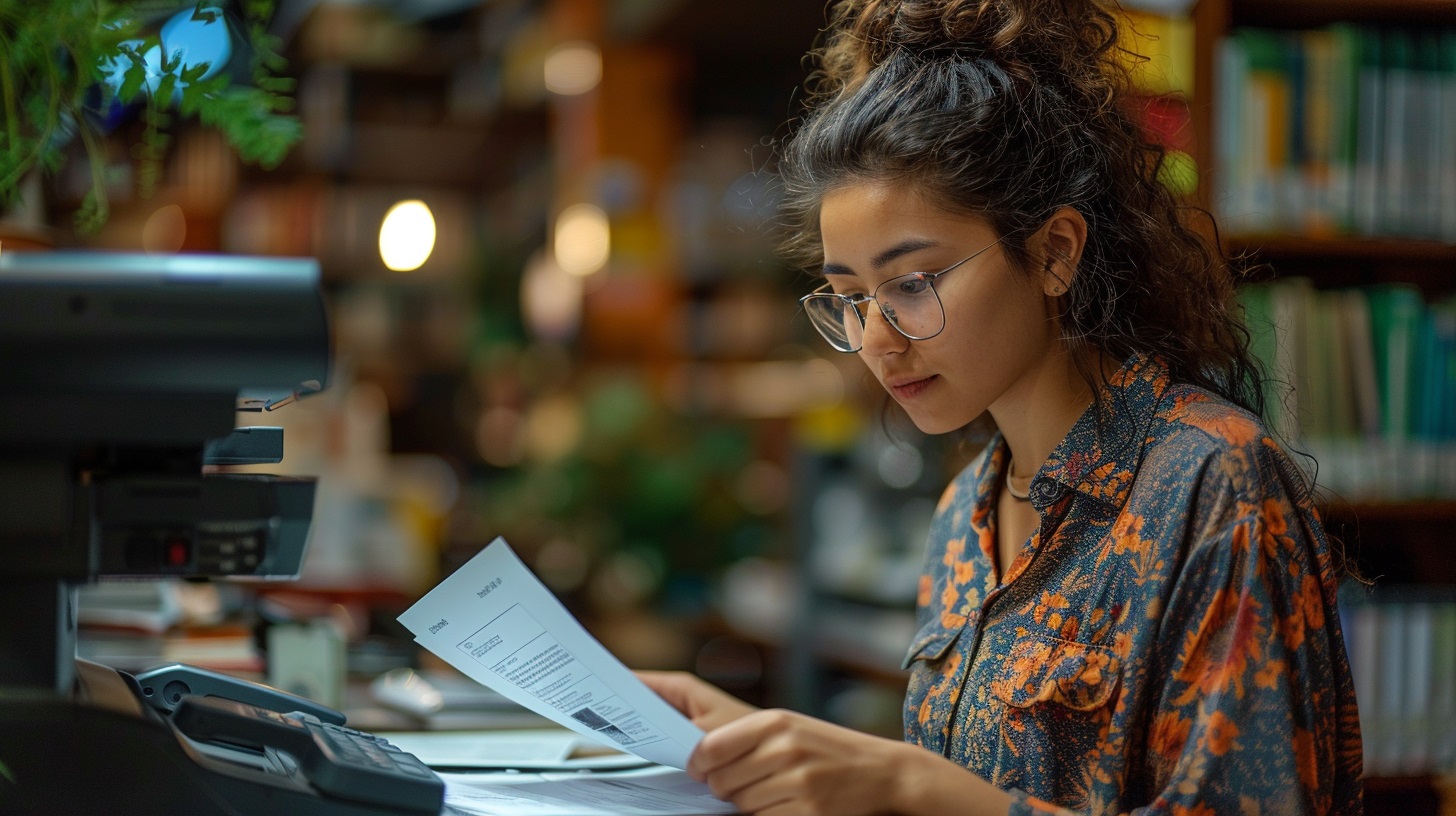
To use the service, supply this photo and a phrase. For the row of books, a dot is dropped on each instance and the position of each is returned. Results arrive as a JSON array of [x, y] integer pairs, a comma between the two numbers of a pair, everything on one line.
[[1363, 380], [1402, 650], [1346, 129]]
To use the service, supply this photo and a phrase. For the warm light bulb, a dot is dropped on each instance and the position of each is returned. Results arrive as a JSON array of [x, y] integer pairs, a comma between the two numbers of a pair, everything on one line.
[[573, 68], [551, 299], [583, 239], [407, 236]]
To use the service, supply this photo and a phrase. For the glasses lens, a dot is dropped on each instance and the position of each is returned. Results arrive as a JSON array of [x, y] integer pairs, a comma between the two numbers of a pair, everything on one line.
[[910, 303], [836, 319]]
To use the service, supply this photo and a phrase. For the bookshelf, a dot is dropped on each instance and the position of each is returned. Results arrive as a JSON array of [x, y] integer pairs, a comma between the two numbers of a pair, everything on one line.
[[1399, 537]]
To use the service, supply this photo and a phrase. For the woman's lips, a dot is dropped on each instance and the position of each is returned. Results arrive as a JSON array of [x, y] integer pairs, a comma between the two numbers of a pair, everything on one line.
[[909, 389]]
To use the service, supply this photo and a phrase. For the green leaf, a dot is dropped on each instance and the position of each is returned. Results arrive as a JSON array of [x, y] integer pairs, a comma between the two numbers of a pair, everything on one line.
[[93, 212], [131, 83], [193, 73], [165, 87], [55, 54]]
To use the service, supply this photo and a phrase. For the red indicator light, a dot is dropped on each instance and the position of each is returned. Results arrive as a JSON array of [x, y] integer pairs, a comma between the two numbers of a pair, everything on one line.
[[176, 552]]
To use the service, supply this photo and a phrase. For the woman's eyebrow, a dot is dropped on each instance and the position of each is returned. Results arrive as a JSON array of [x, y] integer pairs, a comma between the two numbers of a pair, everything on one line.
[[879, 261]]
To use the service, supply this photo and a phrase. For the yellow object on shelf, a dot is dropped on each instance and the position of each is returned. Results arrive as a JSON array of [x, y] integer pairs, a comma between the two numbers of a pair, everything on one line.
[[1165, 45], [829, 427]]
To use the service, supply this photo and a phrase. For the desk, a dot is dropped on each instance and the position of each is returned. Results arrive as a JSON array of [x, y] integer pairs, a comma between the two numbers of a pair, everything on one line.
[[654, 791], [552, 772]]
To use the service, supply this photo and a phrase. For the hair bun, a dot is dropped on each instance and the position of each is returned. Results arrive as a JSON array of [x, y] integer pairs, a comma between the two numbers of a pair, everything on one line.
[[1035, 40]]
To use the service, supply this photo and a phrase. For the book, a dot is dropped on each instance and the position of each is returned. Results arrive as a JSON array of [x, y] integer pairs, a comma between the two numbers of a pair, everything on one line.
[[1445, 169], [1393, 197], [1414, 749], [1364, 653], [1319, 130], [1287, 309], [1233, 193], [1343, 112], [1384, 752], [1370, 113], [1395, 317], [1268, 122], [1361, 464], [1423, 120], [1443, 686]]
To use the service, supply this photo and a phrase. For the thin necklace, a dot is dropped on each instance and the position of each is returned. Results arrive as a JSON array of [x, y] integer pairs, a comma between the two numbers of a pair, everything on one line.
[[1019, 496]]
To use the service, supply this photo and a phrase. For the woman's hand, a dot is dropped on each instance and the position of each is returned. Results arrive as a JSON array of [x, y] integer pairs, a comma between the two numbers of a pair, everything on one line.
[[706, 705], [779, 763]]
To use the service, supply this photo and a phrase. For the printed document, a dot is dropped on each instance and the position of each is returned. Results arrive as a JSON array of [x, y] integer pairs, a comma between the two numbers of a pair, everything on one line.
[[536, 749], [496, 622], [655, 791]]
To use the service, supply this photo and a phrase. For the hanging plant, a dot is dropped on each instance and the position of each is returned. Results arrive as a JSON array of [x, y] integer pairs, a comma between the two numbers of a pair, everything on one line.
[[68, 66]]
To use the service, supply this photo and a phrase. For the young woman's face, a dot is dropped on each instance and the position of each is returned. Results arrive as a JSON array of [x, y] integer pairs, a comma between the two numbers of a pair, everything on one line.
[[998, 335]]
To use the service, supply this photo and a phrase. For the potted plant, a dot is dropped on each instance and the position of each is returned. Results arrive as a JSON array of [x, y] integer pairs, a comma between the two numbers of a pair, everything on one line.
[[70, 70]]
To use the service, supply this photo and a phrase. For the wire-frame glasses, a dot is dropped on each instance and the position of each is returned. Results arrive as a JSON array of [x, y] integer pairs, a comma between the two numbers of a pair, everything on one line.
[[908, 302]]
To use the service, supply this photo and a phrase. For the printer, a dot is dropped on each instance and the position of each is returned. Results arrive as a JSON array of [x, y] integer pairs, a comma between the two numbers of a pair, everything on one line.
[[121, 376]]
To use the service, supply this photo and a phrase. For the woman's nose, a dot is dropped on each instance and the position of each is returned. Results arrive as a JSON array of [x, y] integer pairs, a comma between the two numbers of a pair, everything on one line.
[[880, 336]]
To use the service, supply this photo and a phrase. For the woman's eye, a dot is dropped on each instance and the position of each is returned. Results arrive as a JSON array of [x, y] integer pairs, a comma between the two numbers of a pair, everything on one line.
[[912, 285]]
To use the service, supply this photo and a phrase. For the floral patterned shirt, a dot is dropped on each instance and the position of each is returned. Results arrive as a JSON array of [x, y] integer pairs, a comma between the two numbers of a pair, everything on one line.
[[1166, 642]]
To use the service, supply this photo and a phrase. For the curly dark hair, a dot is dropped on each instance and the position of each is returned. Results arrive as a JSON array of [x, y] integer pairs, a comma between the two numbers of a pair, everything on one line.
[[1009, 110]]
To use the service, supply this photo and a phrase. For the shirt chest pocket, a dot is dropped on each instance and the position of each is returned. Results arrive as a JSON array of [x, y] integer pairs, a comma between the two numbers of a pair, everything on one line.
[[930, 644], [930, 691], [1057, 701], [1064, 673]]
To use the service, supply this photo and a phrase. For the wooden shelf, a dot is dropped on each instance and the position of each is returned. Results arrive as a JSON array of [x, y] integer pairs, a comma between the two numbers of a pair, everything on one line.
[[1351, 261], [1423, 511], [1312, 13], [1406, 542], [1346, 248], [1404, 795]]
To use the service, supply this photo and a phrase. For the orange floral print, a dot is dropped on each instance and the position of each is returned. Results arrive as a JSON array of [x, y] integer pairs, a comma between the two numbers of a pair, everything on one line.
[[1167, 643], [1222, 732]]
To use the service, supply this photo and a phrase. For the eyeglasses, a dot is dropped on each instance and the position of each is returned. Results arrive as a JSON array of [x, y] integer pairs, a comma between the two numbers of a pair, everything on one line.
[[907, 302]]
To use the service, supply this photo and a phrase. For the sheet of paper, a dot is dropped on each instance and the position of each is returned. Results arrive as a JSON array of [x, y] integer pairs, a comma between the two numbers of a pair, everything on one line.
[[656, 791], [497, 623], [555, 749]]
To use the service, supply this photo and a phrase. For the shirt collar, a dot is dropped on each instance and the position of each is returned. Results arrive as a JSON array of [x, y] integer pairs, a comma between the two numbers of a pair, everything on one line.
[[1099, 456]]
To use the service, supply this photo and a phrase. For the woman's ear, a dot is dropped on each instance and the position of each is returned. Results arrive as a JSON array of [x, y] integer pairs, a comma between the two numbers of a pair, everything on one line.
[[1058, 247]]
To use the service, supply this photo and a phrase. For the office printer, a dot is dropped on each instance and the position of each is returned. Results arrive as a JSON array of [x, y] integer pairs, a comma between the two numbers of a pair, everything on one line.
[[120, 378]]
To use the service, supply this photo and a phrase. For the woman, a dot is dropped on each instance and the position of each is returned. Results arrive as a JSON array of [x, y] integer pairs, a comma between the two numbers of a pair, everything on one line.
[[1129, 604]]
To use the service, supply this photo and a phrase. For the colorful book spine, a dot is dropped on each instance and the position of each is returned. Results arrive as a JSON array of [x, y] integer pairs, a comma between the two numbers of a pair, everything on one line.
[[1363, 379], [1401, 643], [1347, 129]]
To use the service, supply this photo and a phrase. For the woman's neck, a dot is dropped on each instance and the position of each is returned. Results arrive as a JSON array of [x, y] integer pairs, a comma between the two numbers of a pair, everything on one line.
[[1036, 413]]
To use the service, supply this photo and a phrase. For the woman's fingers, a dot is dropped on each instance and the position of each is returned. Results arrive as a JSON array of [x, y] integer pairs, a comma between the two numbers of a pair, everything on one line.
[[769, 794], [782, 762], [727, 744], [745, 750], [705, 704], [674, 687]]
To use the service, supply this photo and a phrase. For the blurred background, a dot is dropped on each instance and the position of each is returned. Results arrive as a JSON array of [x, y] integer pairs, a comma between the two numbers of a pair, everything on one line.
[[547, 231], [547, 237]]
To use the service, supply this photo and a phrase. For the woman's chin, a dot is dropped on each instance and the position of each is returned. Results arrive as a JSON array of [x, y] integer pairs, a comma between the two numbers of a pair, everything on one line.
[[935, 424]]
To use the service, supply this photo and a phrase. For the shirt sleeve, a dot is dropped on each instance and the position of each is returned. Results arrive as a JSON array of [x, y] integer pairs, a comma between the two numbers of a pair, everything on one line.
[[1257, 714]]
